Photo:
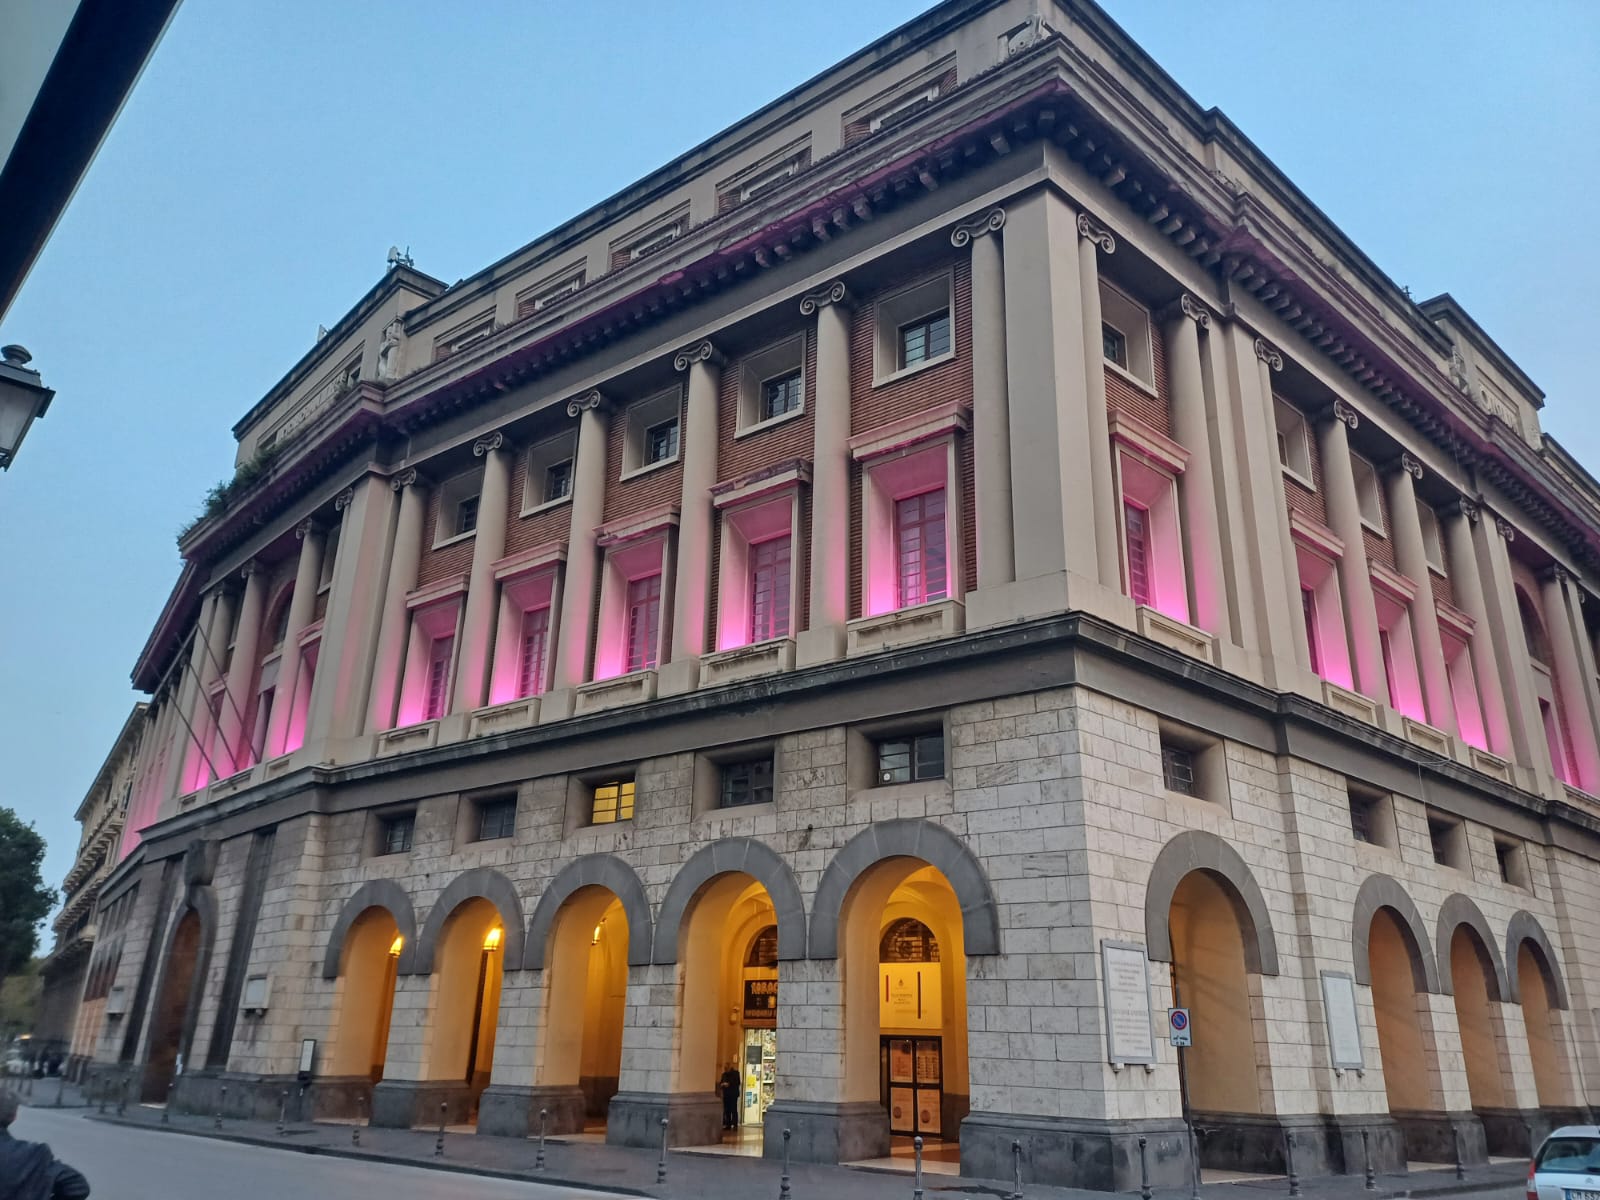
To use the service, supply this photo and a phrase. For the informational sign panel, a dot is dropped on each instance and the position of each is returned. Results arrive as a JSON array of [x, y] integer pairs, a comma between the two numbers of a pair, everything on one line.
[[1179, 1031], [761, 1003], [1125, 976], [1344, 1031], [909, 996]]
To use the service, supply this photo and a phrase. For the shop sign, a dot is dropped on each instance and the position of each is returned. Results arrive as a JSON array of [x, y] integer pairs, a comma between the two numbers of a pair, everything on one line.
[[761, 1003], [909, 996]]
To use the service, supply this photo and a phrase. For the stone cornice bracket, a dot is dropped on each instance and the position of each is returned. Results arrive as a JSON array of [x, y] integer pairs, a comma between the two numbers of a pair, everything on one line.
[[1186, 306], [1268, 354], [488, 442], [1504, 529], [588, 402], [306, 528], [1343, 412], [1410, 465], [401, 480], [342, 500], [701, 352], [1098, 234], [990, 222], [832, 293]]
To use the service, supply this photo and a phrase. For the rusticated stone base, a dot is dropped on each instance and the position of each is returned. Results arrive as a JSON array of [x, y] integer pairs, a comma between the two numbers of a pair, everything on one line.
[[1517, 1132], [1440, 1136], [635, 1119], [1100, 1155], [826, 1133], [1384, 1142], [407, 1103]]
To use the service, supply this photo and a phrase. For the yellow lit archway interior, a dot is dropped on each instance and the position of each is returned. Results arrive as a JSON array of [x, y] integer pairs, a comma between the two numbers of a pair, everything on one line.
[[367, 972], [586, 995], [1539, 1018], [466, 995], [1401, 1041], [905, 1020], [1223, 1068], [1470, 972], [172, 1009]]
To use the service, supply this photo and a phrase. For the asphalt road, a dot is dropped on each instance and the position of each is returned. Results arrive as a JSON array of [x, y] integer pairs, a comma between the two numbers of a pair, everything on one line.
[[134, 1164]]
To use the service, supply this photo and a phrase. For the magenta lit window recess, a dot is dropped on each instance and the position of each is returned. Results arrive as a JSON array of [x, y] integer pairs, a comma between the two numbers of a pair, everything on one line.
[[1136, 526], [920, 548], [1308, 610], [769, 590], [440, 651], [644, 622], [535, 642]]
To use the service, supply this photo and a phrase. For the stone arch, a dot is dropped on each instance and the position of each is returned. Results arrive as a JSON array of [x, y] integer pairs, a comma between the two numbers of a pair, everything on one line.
[[1382, 891], [200, 900], [478, 883], [1525, 927], [745, 856], [907, 838], [1197, 850], [1458, 910], [593, 870], [375, 893]]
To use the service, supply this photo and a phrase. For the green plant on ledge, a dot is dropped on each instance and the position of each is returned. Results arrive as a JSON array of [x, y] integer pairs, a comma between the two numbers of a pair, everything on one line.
[[222, 496]]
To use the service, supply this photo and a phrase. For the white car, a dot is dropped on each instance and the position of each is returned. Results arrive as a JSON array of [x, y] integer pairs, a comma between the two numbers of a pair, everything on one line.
[[1567, 1166]]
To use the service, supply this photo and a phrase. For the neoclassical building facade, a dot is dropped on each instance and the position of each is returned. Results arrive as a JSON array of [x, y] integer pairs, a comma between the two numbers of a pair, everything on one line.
[[956, 565]]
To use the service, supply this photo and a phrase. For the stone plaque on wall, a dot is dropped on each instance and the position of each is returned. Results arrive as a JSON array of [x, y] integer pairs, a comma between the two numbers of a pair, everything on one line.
[[1344, 1030], [1125, 977]]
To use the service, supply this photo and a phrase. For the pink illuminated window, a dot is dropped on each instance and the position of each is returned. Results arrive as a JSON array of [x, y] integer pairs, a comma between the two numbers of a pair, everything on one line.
[[769, 590], [535, 642], [1308, 610], [644, 622], [1136, 525], [1386, 648], [440, 651], [920, 548]]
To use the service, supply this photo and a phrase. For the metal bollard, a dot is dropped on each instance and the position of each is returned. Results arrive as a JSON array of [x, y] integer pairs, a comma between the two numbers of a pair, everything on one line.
[[661, 1163], [122, 1095], [355, 1130], [1144, 1169], [283, 1110], [783, 1180], [538, 1160], [916, 1189], [222, 1103], [1369, 1183], [61, 1086], [1016, 1171], [166, 1112], [1288, 1159], [300, 1105], [1461, 1167], [1194, 1162], [100, 1095], [438, 1145]]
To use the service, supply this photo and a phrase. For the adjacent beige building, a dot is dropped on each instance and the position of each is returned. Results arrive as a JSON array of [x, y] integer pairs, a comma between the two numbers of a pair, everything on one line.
[[954, 566]]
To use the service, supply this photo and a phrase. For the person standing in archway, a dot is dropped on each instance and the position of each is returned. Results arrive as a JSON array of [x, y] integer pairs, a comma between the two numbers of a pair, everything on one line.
[[729, 1085]]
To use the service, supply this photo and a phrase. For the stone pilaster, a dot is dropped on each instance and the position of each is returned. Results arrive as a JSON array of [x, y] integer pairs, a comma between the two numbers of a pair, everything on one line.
[[476, 652], [1183, 326], [396, 621], [1564, 622], [232, 748], [1355, 578], [1467, 581], [1528, 745], [574, 636], [693, 584], [1412, 557], [1093, 240], [823, 639], [301, 605]]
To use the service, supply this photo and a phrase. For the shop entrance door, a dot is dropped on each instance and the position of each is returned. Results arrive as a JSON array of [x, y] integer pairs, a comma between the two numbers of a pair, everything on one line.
[[911, 1070]]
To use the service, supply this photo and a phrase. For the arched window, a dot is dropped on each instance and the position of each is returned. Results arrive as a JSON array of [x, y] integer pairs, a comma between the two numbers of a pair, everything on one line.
[[908, 940], [763, 949]]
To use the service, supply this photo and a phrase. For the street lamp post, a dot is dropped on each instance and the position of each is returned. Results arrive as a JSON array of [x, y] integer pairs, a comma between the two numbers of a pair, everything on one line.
[[23, 397]]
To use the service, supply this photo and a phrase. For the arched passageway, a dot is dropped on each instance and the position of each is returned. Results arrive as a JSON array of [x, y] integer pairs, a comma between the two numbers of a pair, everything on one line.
[[1397, 996], [586, 990], [468, 965], [1476, 995], [171, 1021], [1538, 993], [369, 967]]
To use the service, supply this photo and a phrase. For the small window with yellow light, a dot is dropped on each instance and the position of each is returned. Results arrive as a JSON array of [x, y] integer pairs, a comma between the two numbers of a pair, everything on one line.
[[612, 802]]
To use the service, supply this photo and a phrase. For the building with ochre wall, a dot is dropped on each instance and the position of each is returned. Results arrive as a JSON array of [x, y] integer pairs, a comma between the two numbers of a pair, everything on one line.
[[961, 562]]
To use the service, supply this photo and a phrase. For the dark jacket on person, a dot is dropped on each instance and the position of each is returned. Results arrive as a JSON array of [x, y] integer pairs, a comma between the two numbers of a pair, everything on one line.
[[28, 1171]]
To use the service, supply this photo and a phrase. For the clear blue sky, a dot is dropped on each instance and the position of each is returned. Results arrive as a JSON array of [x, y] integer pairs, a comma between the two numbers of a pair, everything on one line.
[[271, 154]]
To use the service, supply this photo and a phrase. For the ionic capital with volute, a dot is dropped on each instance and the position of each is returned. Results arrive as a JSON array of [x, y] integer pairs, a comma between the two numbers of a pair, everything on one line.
[[306, 528], [488, 442], [700, 352], [1504, 528], [401, 480], [343, 499], [831, 293], [1092, 230], [990, 222], [590, 401], [1268, 353], [1410, 464], [1186, 307]]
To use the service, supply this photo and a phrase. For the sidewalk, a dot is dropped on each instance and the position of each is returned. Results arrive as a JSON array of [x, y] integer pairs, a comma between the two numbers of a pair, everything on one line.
[[701, 1176]]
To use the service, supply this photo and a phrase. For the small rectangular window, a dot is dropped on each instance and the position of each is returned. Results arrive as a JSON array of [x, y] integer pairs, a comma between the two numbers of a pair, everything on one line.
[[780, 396], [748, 782], [496, 819], [1363, 819], [911, 759], [467, 515], [1177, 770], [1512, 862], [1294, 441], [394, 834], [558, 481], [1432, 542], [612, 802], [919, 535], [1114, 345], [531, 660], [1136, 527], [769, 590], [644, 622], [661, 441], [440, 652], [1367, 498], [1444, 834], [925, 338]]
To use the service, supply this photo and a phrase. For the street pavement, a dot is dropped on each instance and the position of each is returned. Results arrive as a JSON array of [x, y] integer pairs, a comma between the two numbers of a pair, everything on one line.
[[124, 1163]]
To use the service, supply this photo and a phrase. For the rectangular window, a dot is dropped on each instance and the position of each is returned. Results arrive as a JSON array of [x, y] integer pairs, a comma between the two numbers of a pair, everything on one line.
[[780, 396], [1363, 815], [496, 819], [535, 641], [612, 802], [910, 759], [1508, 855], [920, 549], [1308, 611], [467, 515], [1114, 345], [1386, 648], [747, 782], [1294, 441], [1177, 770], [440, 652], [661, 442], [1136, 526], [1444, 834], [394, 833], [925, 338], [644, 622], [1370, 503], [769, 590], [558, 481]]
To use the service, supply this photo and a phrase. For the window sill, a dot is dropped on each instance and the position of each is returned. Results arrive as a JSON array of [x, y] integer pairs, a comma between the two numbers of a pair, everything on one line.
[[1298, 478], [454, 538], [1377, 529], [635, 472], [868, 635], [769, 423], [1133, 380], [738, 663], [406, 739], [633, 688], [766, 808], [546, 506], [906, 372]]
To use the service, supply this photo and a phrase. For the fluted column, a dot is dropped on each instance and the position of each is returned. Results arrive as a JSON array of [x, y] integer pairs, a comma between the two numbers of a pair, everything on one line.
[[231, 749], [1092, 240], [396, 621], [1412, 557], [823, 640], [1559, 614], [1467, 584], [991, 402], [588, 509], [1355, 578], [1528, 744], [301, 605], [1183, 324], [695, 517], [475, 653]]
